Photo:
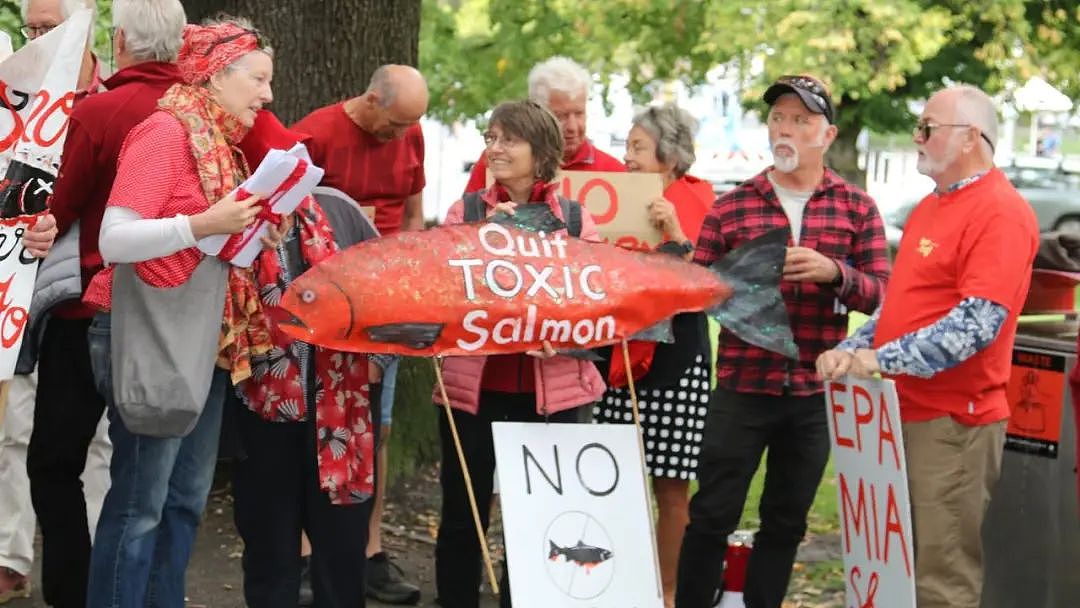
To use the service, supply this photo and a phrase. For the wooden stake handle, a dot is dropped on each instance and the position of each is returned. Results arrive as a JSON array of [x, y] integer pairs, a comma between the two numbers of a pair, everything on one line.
[[468, 480]]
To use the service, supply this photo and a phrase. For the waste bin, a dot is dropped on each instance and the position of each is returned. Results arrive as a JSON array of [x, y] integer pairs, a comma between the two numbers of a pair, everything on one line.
[[1031, 535]]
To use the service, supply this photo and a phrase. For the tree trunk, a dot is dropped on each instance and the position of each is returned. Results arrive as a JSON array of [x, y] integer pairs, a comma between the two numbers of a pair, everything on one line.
[[843, 156], [324, 50]]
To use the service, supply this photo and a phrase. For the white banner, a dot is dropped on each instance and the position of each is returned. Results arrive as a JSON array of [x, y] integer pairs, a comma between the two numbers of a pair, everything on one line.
[[576, 516], [37, 92], [875, 509]]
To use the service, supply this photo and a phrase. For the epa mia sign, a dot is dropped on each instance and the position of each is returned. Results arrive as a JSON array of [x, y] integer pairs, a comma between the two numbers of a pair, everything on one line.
[[875, 509], [576, 516]]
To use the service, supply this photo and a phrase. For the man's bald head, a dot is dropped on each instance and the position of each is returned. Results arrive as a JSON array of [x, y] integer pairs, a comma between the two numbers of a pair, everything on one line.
[[401, 90], [957, 134]]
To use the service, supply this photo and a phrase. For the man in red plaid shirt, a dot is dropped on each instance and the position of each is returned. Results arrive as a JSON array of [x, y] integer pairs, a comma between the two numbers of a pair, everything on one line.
[[837, 261]]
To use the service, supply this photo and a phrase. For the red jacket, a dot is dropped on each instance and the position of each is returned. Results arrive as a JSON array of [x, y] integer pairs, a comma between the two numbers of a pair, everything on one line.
[[99, 124]]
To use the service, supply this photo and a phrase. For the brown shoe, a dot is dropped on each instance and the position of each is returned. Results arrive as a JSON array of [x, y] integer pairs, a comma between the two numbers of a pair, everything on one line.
[[13, 585]]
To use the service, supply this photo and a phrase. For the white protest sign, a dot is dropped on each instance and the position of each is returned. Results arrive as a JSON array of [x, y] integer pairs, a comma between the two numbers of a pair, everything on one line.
[[17, 272], [576, 516], [875, 509], [37, 93]]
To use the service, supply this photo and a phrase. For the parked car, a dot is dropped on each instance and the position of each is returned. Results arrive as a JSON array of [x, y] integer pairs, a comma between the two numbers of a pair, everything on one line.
[[1054, 194]]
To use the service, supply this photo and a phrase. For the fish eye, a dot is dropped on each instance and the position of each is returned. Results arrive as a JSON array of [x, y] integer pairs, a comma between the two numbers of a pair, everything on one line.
[[307, 296]]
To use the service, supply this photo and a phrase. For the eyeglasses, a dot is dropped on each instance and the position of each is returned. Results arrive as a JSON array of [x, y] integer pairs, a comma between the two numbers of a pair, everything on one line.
[[508, 141], [36, 31], [231, 37], [924, 130]]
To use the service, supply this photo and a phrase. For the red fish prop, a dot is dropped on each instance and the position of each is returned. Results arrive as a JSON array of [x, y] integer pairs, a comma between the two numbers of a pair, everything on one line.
[[493, 288]]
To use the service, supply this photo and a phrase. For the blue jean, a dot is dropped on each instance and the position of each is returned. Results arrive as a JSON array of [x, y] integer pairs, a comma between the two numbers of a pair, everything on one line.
[[159, 490]]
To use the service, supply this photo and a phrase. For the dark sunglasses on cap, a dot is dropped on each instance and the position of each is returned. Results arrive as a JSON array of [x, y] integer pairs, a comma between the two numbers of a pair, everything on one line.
[[925, 129], [813, 94]]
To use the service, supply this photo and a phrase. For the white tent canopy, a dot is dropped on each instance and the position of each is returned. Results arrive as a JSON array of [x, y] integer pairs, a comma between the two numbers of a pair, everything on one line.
[[1037, 95]]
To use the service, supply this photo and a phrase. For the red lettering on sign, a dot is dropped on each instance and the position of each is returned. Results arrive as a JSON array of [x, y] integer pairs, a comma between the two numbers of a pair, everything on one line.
[[854, 514], [863, 416], [64, 104], [886, 434], [613, 199], [893, 525], [12, 318], [17, 124], [836, 389]]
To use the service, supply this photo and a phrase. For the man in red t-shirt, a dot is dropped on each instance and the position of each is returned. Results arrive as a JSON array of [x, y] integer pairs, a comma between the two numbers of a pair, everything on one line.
[[562, 86], [945, 334], [372, 149]]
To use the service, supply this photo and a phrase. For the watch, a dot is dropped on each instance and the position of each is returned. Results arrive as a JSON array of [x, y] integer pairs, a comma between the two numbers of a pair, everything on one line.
[[680, 249]]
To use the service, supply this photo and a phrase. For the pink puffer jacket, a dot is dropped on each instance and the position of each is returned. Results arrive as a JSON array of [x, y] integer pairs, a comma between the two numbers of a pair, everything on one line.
[[562, 383]]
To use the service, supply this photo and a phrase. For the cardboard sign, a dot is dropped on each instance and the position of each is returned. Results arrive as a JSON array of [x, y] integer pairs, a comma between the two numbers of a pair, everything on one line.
[[875, 509], [1036, 393], [37, 93], [17, 272], [576, 518], [618, 203]]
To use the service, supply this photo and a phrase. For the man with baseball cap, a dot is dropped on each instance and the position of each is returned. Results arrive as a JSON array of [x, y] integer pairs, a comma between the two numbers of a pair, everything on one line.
[[836, 261]]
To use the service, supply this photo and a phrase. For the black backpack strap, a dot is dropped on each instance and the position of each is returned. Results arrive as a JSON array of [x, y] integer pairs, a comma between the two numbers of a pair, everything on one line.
[[475, 209], [571, 211]]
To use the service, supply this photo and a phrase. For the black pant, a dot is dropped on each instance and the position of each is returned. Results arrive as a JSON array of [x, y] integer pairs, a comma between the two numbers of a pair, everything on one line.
[[67, 410], [739, 427], [457, 551], [277, 494]]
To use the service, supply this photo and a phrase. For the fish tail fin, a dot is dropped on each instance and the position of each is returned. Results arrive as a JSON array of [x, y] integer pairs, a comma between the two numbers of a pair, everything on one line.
[[756, 312], [553, 553]]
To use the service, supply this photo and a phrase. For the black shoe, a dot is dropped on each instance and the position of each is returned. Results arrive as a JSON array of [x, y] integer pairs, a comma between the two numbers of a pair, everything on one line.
[[307, 596], [384, 582]]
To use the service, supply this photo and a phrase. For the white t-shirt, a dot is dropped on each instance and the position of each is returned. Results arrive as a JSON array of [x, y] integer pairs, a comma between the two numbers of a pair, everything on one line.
[[793, 203]]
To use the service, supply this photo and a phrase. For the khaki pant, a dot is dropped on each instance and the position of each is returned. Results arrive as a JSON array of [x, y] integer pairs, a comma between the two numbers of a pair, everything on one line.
[[952, 469]]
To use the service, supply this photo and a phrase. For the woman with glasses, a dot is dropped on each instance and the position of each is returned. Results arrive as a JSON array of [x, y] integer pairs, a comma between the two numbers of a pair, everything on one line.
[[173, 183], [524, 148], [672, 380]]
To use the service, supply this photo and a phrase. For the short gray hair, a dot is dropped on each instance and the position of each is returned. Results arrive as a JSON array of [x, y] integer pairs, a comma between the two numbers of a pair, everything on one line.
[[153, 29], [673, 129], [976, 107], [380, 83], [561, 75], [67, 7]]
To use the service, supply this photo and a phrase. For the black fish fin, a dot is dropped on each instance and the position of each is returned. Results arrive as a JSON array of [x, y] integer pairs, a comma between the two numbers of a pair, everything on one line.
[[534, 217], [755, 312], [658, 332], [414, 335]]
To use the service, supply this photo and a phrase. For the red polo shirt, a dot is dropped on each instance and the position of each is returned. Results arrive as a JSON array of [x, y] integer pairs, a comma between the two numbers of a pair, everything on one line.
[[979, 241], [373, 172], [587, 158], [99, 123]]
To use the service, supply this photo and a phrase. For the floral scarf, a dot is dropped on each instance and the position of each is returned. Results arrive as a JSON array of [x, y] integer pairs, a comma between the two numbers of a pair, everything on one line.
[[276, 389], [214, 133]]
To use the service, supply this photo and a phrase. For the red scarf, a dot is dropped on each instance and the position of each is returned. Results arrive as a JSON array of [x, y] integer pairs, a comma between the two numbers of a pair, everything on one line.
[[275, 390]]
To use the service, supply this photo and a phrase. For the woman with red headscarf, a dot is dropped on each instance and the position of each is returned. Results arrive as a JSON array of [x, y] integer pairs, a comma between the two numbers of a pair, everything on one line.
[[173, 183]]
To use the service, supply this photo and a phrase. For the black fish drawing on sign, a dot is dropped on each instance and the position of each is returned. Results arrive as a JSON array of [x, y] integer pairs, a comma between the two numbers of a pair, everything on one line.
[[583, 555]]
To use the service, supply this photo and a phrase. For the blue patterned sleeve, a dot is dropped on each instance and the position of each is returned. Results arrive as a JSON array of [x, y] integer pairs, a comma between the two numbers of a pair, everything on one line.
[[968, 328], [864, 336]]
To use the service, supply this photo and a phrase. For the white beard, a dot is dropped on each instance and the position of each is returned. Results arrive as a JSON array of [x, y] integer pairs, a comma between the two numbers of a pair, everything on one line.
[[930, 168], [786, 164]]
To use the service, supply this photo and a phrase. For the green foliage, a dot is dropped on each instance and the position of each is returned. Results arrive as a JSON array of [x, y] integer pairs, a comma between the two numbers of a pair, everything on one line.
[[876, 56], [414, 441]]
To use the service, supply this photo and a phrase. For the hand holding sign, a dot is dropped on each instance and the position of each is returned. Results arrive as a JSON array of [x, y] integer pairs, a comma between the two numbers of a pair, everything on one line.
[[227, 216], [39, 238], [834, 364], [865, 364], [662, 216]]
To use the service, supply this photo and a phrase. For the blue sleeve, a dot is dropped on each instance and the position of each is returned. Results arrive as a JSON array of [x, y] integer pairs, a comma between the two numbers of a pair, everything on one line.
[[968, 328], [864, 336]]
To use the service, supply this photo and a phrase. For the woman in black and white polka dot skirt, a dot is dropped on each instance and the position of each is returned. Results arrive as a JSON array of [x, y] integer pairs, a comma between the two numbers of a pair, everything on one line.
[[674, 385]]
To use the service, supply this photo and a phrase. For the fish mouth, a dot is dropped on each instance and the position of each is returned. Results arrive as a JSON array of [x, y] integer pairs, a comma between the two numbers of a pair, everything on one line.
[[295, 328]]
